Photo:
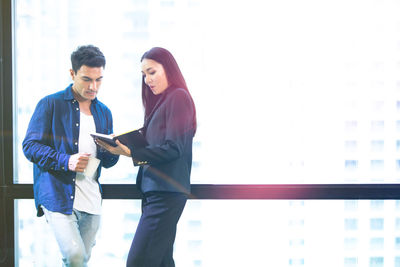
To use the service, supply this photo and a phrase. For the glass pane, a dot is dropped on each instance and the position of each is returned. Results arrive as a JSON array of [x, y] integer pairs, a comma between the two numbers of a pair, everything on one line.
[[254, 233], [285, 91]]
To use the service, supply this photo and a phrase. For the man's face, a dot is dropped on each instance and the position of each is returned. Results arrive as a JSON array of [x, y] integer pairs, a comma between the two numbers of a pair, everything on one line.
[[87, 81]]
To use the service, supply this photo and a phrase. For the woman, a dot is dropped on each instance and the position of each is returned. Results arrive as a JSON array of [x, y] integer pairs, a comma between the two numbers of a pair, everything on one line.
[[165, 164]]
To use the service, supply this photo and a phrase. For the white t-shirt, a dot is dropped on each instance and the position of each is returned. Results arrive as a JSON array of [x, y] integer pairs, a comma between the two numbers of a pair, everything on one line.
[[87, 191]]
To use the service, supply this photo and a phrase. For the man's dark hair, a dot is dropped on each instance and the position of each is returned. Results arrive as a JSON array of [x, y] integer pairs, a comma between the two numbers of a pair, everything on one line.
[[88, 55]]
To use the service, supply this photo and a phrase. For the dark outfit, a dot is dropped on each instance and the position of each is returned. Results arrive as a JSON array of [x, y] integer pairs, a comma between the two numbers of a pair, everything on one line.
[[164, 177]]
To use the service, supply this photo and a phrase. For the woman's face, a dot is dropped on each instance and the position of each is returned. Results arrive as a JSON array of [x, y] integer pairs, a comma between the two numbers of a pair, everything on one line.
[[154, 76]]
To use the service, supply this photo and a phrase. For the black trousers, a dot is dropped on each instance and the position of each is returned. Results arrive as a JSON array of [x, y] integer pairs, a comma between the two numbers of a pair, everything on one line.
[[154, 239]]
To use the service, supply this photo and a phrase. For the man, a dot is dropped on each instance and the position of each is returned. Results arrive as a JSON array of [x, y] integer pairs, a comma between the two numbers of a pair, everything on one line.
[[59, 144]]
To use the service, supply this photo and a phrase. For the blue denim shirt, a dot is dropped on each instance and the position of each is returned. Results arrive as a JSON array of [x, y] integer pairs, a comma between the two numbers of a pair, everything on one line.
[[51, 138]]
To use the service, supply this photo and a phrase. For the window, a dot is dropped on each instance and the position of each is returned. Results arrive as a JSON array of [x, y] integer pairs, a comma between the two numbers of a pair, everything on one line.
[[350, 262], [208, 225], [350, 224], [377, 145], [377, 243], [377, 204], [302, 118], [376, 223], [350, 244], [298, 102], [376, 262]]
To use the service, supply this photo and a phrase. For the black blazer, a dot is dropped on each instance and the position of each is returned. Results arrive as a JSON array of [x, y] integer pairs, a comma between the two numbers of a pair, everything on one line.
[[169, 130]]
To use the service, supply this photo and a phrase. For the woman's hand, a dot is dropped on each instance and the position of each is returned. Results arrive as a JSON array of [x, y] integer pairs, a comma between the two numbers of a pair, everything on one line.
[[117, 150]]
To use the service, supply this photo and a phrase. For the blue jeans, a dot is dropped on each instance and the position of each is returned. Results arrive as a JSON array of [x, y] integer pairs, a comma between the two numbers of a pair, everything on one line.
[[75, 235]]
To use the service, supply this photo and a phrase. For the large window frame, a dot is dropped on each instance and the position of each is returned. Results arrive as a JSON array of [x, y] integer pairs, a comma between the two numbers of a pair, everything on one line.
[[9, 191]]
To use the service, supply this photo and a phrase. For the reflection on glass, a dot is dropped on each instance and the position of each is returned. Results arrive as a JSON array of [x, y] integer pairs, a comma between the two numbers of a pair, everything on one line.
[[238, 233]]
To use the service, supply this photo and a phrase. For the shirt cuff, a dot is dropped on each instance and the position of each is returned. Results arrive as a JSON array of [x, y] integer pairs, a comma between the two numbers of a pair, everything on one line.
[[63, 162]]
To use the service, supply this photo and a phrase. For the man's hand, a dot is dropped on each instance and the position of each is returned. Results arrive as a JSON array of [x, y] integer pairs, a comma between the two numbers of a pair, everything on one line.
[[78, 162]]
